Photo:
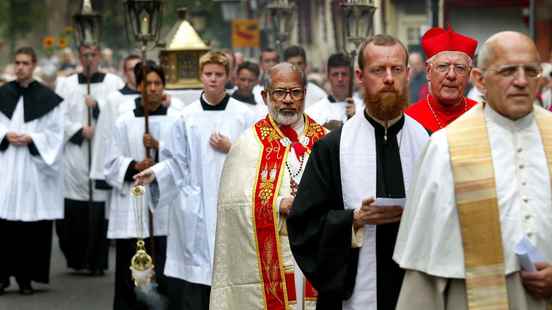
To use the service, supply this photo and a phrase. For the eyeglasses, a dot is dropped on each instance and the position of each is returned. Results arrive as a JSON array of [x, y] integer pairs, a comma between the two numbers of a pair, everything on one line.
[[444, 67], [531, 71], [382, 71], [281, 93]]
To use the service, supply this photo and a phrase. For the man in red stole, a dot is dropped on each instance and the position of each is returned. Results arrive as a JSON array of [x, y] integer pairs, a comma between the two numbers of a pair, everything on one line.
[[449, 62], [253, 267]]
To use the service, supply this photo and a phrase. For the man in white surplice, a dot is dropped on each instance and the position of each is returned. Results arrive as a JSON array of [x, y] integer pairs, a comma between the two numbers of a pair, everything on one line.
[[31, 188], [334, 110], [126, 158], [430, 245], [196, 150], [116, 103], [341, 238], [82, 233]]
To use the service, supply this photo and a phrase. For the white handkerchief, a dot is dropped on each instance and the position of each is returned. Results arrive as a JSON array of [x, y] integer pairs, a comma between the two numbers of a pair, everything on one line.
[[527, 254], [388, 202]]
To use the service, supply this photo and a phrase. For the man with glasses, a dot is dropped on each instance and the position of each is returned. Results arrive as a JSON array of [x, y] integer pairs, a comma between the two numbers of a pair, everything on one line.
[[449, 62], [346, 214], [483, 195], [254, 268]]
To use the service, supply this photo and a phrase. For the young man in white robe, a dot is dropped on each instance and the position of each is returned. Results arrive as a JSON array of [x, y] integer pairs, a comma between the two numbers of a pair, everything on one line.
[[82, 233], [296, 55], [247, 78], [335, 109], [253, 267], [116, 103], [126, 158], [483, 185], [341, 235], [31, 195], [195, 152]]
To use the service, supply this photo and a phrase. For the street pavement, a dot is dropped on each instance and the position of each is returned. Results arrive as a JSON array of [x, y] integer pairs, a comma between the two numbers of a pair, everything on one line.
[[67, 290]]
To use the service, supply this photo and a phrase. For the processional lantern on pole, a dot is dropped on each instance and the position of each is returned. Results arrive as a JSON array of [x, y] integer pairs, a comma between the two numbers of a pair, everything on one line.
[[87, 24], [356, 26], [282, 13], [143, 20]]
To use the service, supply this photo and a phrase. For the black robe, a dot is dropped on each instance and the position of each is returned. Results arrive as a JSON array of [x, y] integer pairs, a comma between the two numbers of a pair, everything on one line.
[[320, 228]]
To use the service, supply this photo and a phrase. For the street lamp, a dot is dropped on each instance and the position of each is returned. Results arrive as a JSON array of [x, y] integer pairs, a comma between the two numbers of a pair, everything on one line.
[[356, 26], [87, 25], [357, 18], [231, 9], [144, 19], [281, 14]]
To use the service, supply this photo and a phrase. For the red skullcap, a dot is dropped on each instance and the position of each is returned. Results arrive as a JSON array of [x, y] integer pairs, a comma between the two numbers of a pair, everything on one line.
[[437, 40]]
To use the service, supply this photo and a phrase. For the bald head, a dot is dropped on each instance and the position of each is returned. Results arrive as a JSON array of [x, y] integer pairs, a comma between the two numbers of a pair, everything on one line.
[[498, 43], [285, 94], [509, 73], [285, 70]]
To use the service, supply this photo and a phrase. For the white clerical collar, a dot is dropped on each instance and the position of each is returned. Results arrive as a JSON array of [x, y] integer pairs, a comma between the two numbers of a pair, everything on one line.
[[389, 122], [299, 127], [521, 123]]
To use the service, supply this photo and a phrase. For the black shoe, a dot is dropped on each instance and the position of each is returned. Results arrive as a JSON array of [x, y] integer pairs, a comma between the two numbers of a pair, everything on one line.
[[25, 288]]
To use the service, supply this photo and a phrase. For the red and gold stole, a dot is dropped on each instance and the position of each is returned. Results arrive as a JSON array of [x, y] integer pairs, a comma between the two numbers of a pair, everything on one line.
[[476, 202], [275, 147]]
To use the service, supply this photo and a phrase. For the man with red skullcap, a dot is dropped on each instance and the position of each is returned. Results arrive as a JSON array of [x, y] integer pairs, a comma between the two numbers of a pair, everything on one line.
[[449, 62]]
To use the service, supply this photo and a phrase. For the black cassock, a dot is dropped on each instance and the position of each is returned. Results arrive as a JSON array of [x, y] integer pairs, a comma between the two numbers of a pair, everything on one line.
[[320, 228]]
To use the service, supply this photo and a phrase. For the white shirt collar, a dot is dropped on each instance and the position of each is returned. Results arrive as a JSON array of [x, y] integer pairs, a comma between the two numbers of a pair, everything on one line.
[[495, 117]]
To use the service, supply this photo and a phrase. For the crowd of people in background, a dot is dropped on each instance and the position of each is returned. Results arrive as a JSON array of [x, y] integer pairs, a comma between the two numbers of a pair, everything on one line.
[[265, 189]]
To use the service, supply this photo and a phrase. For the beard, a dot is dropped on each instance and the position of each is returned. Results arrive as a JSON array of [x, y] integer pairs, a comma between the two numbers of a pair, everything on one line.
[[285, 118], [386, 104]]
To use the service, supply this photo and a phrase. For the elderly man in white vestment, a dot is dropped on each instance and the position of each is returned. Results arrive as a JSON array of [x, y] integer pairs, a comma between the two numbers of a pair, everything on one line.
[[195, 151], [31, 186], [253, 266], [483, 186]]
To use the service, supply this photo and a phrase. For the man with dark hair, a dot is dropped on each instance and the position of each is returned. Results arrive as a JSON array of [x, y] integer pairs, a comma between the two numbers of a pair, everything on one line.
[[116, 103], [296, 55], [126, 157], [82, 233], [196, 149], [31, 195], [336, 108], [247, 79], [341, 233], [268, 59]]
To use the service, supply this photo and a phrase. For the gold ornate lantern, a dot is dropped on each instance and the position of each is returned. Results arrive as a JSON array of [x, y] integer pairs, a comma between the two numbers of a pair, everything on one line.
[[180, 58]]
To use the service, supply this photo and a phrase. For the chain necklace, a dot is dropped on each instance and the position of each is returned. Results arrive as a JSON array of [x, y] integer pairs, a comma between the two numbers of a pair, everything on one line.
[[292, 175], [435, 114]]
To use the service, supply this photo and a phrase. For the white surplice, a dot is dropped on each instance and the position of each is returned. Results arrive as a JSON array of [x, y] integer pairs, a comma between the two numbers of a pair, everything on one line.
[[429, 239], [357, 153], [324, 110], [75, 158], [32, 186], [127, 145], [192, 173], [116, 104]]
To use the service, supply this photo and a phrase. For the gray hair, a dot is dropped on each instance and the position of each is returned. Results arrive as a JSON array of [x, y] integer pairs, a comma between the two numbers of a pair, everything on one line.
[[294, 68]]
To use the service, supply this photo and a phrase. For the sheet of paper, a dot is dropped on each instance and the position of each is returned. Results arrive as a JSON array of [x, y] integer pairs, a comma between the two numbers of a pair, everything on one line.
[[527, 254], [388, 202]]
